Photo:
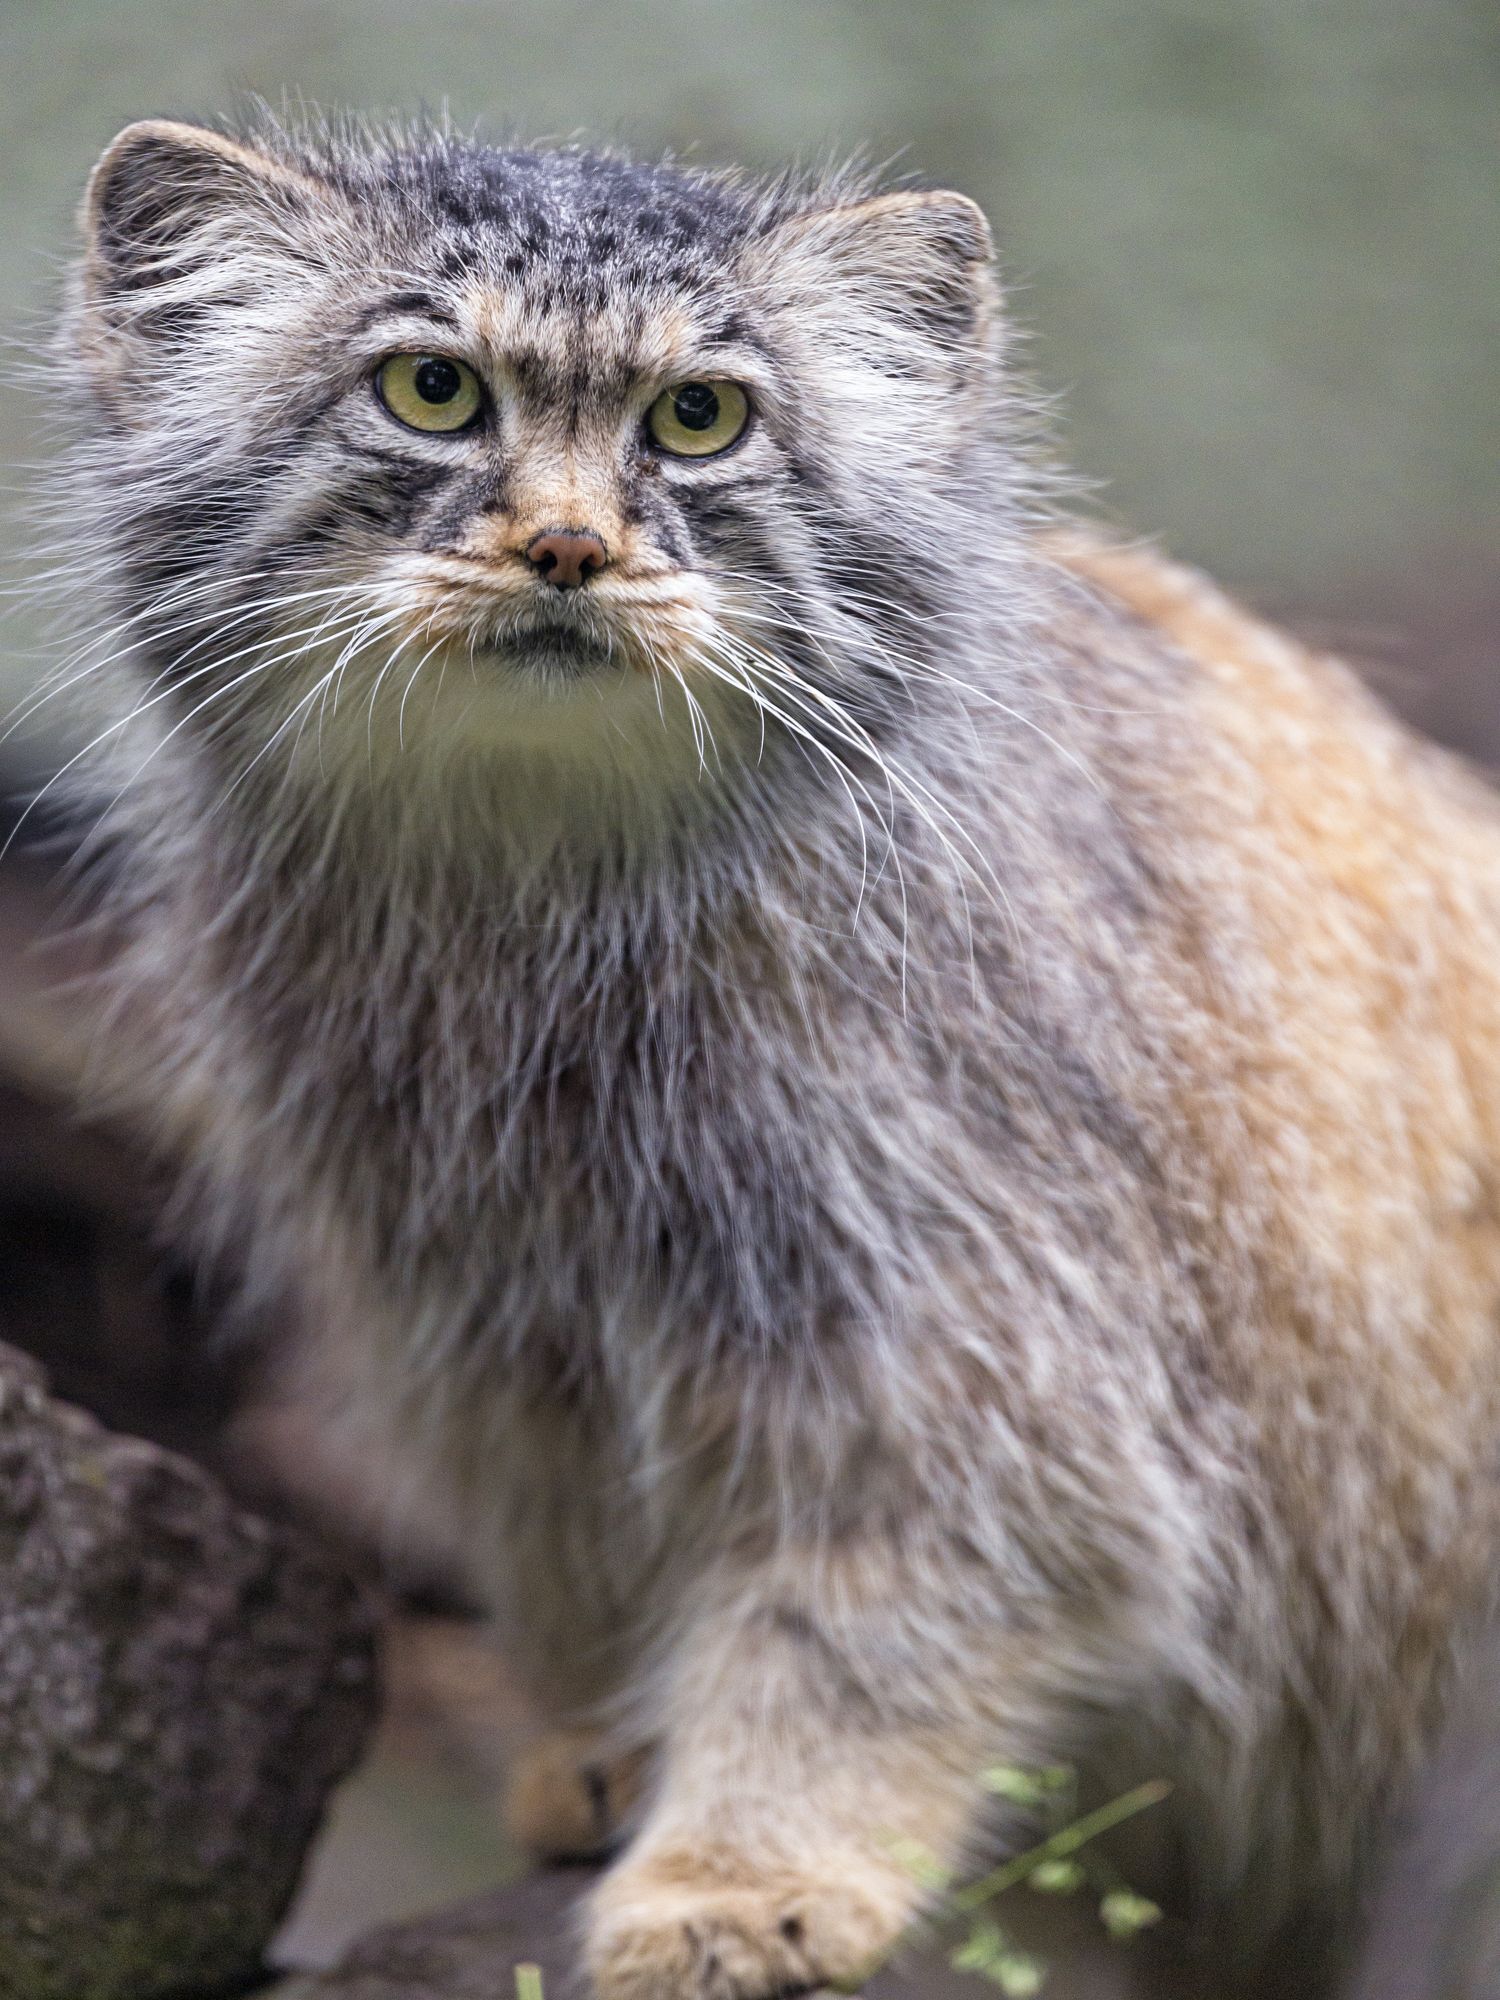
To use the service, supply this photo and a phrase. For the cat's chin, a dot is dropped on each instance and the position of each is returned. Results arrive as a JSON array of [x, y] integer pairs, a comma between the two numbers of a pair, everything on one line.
[[560, 699]]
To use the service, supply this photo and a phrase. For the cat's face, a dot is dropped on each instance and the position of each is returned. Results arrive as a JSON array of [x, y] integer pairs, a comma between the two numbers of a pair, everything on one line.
[[523, 446]]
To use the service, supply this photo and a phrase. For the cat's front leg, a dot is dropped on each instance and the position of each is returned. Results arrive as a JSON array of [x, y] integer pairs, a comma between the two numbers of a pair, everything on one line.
[[571, 1793], [818, 1734]]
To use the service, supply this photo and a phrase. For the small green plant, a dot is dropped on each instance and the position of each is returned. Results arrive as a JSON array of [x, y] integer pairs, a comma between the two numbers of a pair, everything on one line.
[[1057, 1865]]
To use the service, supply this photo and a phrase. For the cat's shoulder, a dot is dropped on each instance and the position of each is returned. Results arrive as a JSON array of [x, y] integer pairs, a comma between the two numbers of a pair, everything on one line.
[[1227, 643], [1303, 716]]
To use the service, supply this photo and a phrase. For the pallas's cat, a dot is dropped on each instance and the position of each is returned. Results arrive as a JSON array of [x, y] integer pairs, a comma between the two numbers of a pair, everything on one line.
[[893, 1109]]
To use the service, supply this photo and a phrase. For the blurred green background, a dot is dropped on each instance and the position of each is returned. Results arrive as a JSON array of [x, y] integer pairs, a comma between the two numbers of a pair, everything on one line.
[[1254, 241]]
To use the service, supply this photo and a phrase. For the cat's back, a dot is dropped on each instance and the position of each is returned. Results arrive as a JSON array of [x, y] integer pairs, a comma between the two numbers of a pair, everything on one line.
[[1366, 859], [1337, 888]]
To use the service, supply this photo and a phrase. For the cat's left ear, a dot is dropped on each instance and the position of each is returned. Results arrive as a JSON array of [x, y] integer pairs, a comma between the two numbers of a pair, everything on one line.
[[922, 261]]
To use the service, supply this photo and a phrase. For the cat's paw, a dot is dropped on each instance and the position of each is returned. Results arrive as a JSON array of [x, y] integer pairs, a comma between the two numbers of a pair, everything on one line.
[[568, 1796], [707, 1925]]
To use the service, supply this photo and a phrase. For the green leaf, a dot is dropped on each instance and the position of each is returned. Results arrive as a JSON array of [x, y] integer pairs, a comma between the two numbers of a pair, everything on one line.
[[981, 1951], [1055, 1878], [1125, 1913], [1009, 1781], [1019, 1976], [528, 1982]]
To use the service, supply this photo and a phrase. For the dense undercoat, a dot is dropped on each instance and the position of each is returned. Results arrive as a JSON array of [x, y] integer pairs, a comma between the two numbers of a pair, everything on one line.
[[953, 1221]]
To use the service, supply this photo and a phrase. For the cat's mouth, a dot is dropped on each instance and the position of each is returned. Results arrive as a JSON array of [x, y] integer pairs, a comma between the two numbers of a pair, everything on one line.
[[548, 647], [568, 640]]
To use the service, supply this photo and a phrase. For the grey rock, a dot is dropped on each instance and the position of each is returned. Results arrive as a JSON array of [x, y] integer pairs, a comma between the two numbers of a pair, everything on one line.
[[180, 1687], [466, 1952]]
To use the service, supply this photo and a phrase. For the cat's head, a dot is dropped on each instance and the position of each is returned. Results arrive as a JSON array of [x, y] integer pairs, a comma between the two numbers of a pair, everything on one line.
[[411, 435]]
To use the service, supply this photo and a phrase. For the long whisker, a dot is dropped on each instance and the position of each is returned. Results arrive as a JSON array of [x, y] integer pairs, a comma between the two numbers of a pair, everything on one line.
[[295, 647], [919, 797], [822, 709], [907, 668], [436, 647], [397, 650], [149, 701], [303, 708], [62, 678], [849, 780]]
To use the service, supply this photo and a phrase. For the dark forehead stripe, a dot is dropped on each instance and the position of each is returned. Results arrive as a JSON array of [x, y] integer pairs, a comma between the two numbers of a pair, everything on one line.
[[564, 214], [421, 303]]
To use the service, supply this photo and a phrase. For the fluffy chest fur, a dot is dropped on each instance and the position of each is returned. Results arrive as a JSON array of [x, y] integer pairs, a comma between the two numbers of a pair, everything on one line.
[[734, 1094]]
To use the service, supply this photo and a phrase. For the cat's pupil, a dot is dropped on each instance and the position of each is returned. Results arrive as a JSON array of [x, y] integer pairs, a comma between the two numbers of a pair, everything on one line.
[[436, 380], [696, 407]]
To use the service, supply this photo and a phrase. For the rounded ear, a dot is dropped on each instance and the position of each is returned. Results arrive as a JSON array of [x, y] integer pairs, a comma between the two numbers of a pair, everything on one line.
[[177, 221], [927, 256], [160, 189]]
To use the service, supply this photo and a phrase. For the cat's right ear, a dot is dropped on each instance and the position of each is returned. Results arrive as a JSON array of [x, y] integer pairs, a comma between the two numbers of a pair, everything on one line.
[[172, 217], [917, 264]]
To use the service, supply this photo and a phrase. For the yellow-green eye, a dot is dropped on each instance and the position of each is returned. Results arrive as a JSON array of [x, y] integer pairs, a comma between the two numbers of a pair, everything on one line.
[[429, 391], [696, 419]]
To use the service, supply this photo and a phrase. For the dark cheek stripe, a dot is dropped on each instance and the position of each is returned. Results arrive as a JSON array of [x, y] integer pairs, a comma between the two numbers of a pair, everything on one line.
[[402, 466], [644, 503], [464, 501], [754, 517], [388, 500]]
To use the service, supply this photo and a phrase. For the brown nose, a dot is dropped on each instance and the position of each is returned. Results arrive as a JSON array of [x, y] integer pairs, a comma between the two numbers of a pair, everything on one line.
[[566, 557]]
